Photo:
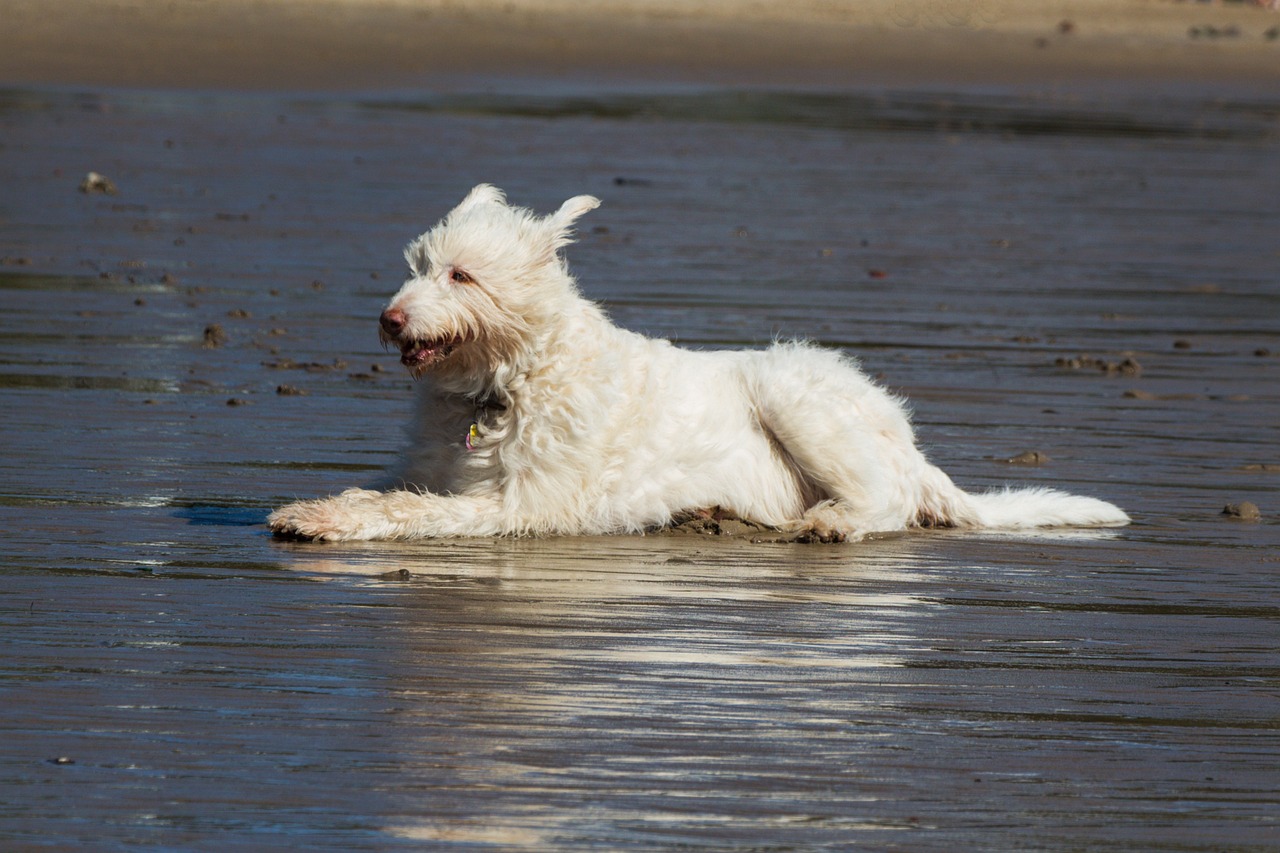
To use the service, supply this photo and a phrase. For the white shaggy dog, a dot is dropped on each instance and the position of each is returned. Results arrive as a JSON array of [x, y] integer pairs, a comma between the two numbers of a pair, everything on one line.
[[539, 416]]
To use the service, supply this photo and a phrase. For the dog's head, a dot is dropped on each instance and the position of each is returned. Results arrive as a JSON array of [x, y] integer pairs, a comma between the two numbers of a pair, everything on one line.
[[484, 282]]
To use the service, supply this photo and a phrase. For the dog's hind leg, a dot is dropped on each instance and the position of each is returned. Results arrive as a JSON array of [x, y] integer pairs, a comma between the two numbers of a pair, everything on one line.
[[847, 437], [362, 514]]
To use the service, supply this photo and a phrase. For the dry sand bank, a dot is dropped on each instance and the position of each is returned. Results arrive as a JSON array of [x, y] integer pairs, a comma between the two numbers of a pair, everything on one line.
[[357, 44]]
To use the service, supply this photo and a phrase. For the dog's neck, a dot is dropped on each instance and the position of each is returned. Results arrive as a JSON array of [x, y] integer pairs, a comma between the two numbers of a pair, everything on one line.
[[487, 401], [493, 390], [501, 385]]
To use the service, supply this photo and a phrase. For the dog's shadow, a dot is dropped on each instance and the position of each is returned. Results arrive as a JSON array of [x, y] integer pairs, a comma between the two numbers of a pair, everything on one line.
[[213, 515]]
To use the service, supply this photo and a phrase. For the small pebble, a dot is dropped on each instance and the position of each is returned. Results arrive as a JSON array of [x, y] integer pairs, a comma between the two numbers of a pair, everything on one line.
[[95, 183], [1031, 457], [1243, 511], [214, 336]]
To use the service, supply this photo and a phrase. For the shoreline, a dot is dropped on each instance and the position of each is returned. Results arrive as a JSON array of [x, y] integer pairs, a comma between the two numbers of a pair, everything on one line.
[[354, 45]]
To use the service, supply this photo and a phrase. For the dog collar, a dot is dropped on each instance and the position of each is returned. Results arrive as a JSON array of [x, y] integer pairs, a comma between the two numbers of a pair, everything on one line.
[[486, 403]]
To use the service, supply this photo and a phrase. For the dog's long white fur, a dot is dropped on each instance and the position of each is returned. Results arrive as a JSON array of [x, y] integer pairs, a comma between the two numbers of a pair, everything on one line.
[[536, 415]]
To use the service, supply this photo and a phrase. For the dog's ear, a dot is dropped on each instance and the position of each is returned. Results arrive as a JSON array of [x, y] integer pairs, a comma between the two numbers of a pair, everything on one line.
[[560, 223], [482, 194]]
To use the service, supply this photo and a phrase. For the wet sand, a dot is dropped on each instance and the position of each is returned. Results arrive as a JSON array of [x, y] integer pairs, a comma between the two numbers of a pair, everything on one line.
[[1072, 287]]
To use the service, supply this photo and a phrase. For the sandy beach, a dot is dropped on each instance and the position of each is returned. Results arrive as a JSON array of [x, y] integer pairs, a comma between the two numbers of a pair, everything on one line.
[[442, 44]]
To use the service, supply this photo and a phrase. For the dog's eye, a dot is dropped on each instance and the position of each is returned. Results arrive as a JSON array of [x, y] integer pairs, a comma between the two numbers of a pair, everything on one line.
[[457, 276]]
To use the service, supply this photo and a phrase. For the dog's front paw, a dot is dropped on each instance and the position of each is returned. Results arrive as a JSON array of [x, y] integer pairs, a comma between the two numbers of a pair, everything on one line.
[[354, 514]]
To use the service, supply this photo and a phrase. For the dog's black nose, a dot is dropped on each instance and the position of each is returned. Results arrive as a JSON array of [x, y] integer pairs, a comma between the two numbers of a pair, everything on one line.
[[393, 320]]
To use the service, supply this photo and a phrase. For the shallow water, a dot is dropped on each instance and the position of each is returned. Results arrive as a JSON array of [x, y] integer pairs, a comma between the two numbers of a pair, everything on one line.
[[174, 677]]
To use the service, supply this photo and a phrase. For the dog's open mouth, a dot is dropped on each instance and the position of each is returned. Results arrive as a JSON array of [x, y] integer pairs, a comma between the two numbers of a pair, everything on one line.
[[418, 355]]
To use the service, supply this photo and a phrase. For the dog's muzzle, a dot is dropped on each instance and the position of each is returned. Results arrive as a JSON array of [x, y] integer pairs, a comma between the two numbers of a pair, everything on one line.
[[417, 354]]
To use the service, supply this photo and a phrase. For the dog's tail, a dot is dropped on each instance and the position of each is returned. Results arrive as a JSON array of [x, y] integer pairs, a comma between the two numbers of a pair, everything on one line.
[[946, 504], [1014, 509]]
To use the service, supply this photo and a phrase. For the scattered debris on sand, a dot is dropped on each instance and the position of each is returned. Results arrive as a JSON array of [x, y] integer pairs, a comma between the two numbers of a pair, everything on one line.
[[308, 366], [717, 521], [713, 521], [1127, 366]]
